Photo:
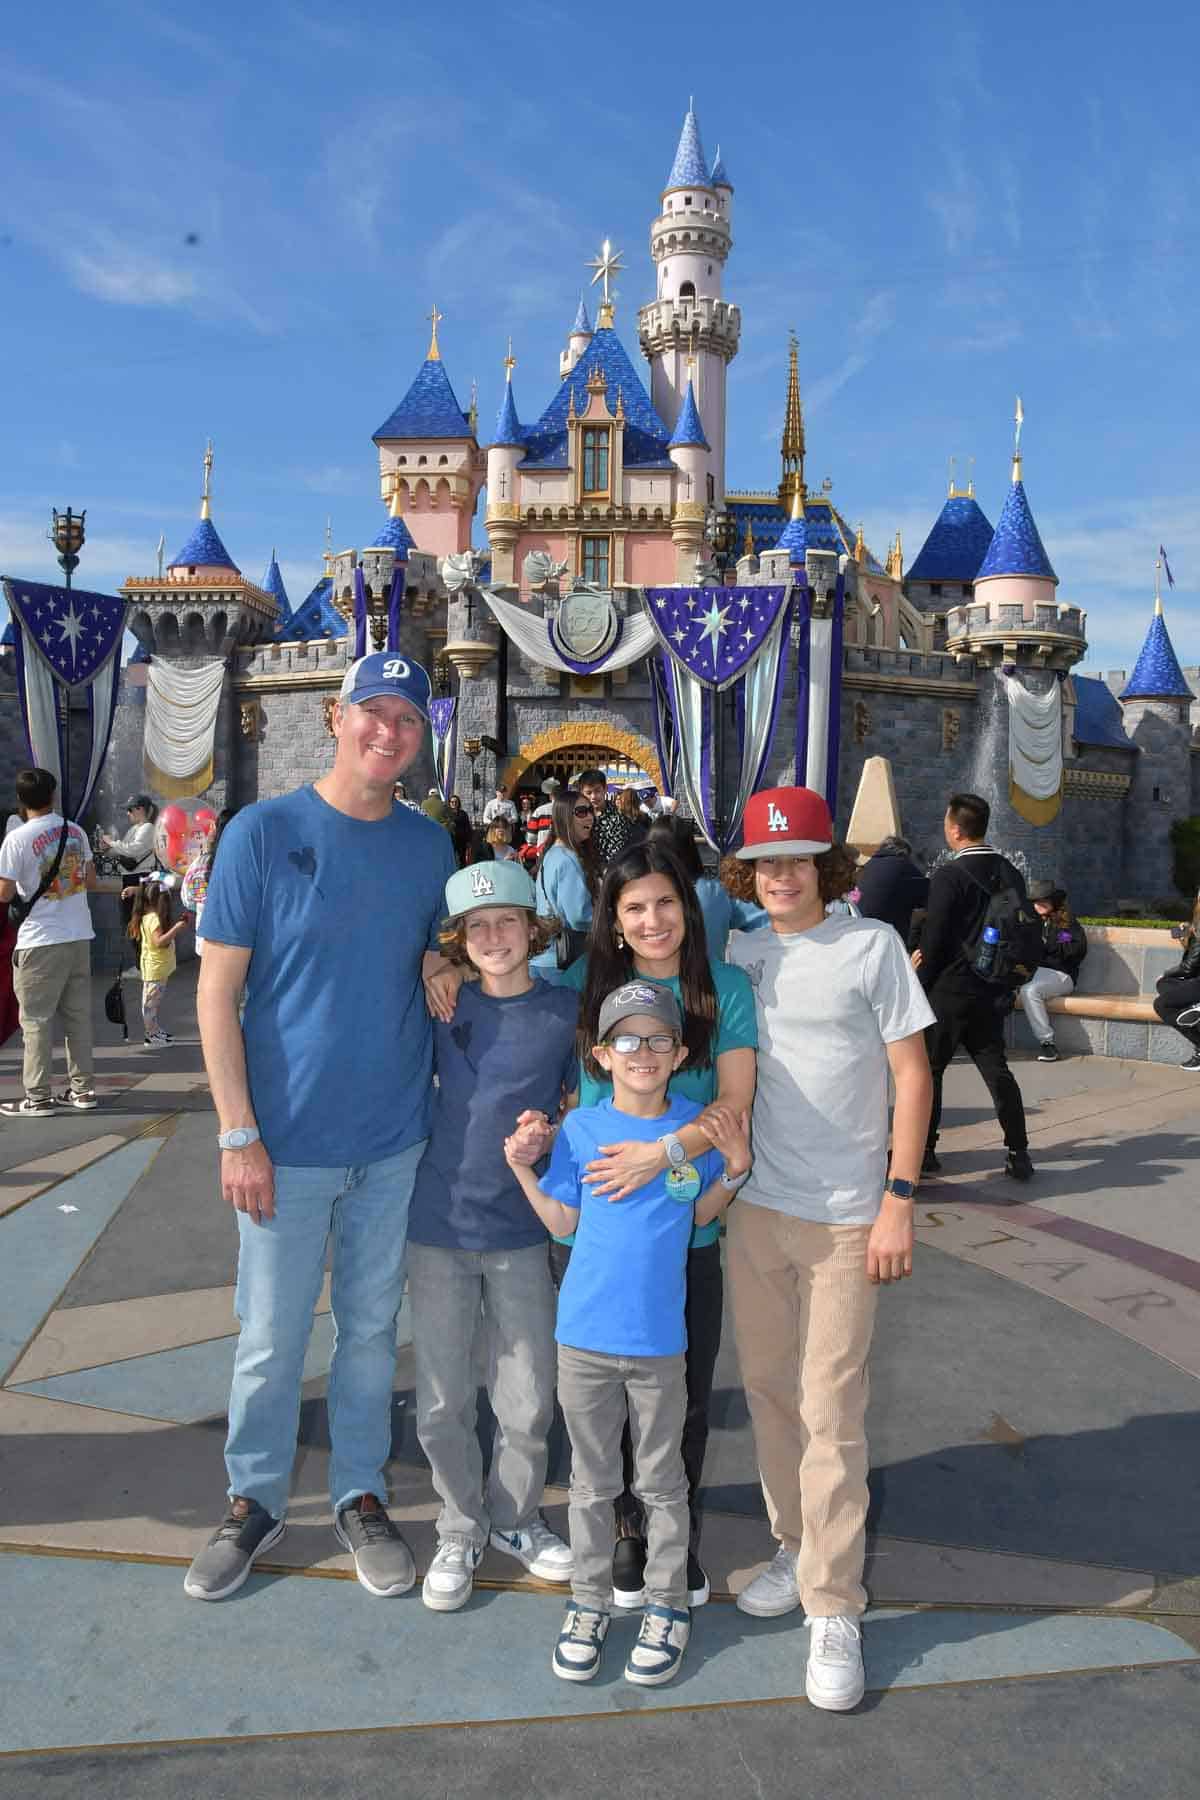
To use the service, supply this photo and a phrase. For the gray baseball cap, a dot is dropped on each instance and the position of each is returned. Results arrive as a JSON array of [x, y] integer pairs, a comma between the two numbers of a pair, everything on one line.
[[641, 997]]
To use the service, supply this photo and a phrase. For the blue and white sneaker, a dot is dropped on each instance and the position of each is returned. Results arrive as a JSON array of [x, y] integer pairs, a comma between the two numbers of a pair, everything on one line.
[[541, 1551], [580, 1643], [661, 1642]]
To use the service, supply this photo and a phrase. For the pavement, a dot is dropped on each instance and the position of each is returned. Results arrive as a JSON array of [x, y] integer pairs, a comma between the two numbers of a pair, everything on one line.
[[1034, 1563]]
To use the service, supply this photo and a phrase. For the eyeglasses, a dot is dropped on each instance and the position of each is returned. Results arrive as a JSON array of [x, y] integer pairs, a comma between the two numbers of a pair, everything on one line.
[[627, 1043], [583, 812]]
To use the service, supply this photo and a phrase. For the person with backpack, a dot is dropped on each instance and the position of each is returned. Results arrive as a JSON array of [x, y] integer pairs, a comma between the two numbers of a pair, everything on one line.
[[980, 942]]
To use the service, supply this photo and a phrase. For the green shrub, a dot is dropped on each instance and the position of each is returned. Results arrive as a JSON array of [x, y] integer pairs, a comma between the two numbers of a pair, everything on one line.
[[1140, 924], [1185, 841]]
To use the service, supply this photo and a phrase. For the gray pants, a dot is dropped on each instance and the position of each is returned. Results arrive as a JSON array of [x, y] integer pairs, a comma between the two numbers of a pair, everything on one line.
[[597, 1393], [55, 980], [452, 1293]]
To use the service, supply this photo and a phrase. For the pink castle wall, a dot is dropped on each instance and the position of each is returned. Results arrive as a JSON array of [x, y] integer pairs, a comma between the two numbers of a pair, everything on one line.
[[649, 561]]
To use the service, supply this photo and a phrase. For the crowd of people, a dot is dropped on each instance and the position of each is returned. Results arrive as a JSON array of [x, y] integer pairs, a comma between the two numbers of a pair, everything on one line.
[[565, 1077]]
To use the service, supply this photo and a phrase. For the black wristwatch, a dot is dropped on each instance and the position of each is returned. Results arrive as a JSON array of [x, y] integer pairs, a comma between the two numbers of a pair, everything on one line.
[[903, 1190]]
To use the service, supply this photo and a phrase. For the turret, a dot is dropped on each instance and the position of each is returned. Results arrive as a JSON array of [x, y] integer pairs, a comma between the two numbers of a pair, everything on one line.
[[428, 446], [504, 453], [1157, 704], [577, 342], [689, 331]]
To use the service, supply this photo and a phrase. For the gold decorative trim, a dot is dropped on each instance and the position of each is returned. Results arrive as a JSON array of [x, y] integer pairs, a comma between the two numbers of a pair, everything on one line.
[[1096, 784], [294, 681], [585, 731]]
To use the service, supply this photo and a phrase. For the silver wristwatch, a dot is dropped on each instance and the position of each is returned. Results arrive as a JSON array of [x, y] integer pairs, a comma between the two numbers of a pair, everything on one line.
[[733, 1182], [673, 1145], [240, 1138]]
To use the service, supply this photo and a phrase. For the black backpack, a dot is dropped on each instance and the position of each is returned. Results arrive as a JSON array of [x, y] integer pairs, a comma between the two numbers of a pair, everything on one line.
[[1006, 947]]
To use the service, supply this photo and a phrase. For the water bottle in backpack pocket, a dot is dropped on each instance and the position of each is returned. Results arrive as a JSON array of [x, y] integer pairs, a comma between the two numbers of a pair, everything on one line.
[[1007, 946]]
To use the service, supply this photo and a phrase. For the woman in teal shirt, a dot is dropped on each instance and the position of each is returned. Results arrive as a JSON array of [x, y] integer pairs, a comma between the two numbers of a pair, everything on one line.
[[648, 923]]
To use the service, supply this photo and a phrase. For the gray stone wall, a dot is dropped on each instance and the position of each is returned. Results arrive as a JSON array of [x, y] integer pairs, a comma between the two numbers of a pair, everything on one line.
[[1161, 793]]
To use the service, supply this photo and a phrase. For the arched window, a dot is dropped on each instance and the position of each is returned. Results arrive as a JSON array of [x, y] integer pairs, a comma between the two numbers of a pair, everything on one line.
[[687, 290]]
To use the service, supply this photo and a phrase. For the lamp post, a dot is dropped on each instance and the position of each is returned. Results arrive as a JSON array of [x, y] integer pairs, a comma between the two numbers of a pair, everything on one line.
[[67, 535], [473, 747]]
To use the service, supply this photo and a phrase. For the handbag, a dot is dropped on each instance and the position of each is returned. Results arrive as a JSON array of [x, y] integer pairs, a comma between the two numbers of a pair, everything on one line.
[[18, 909], [571, 942]]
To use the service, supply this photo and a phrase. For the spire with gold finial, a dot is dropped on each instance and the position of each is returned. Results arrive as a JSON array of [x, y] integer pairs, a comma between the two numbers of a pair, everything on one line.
[[206, 496], [860, 545], [748, 541], [793, 447], [895, 560], [435, 318]]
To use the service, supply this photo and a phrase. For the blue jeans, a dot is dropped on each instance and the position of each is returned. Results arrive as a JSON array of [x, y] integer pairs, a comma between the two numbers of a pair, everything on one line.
[[363, 1211]]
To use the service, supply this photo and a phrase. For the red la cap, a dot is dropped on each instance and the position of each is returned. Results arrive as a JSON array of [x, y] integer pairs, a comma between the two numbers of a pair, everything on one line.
[[790, 821]]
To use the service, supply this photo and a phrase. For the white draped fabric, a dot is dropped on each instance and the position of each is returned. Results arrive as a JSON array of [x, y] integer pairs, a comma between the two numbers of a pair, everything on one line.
[[820, 659], [528, 632], [1035, 752], [181, 723]]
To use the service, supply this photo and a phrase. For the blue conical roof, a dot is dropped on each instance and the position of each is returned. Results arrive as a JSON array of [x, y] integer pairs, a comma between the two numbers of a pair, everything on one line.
[[794, 539], [204, 549], [1016, 548], [719, 176], [1157, 674], [960, 539], [315, 617], [582, 322], [272, 583], [690, 168], [688, 429], [508, 426], [429, 409], [645, 434], [395, 536]]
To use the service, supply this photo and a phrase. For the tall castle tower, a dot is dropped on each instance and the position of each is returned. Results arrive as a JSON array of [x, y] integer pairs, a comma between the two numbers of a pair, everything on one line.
[[688, 330]]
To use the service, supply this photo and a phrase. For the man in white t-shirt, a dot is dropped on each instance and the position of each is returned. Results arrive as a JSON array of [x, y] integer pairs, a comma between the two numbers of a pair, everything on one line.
[[500, 807], [52, 972], [823, 1219]]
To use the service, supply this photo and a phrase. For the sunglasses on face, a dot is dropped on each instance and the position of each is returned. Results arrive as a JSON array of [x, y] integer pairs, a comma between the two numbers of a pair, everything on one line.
[[627, 1043], [583, 812]]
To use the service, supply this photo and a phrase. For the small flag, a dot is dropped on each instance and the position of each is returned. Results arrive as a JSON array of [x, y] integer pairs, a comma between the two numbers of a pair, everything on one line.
[[1166, 565]]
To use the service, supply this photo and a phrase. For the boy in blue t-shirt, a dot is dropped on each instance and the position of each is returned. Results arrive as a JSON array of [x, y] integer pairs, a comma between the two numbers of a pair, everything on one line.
[[474, 1246], [621, 1335]]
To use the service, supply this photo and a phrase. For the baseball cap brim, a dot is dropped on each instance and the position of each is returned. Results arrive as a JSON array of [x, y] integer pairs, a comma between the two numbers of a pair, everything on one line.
[[790, 847], [374, 689]]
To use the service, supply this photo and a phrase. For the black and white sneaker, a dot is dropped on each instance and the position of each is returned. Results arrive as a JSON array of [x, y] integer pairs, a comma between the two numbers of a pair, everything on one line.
[[1192, 1065], [697, 1580], [1018, 1165], [629, 1573], [231, 1552], [27, 1109], [1047, 1052]]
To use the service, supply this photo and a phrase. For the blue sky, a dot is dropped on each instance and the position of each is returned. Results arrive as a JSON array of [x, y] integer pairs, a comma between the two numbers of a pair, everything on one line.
[[949, 206]]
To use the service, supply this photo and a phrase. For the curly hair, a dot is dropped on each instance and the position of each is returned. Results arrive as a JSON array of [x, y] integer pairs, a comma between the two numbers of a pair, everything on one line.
[[737, 878], [837, 873], [452, 938]]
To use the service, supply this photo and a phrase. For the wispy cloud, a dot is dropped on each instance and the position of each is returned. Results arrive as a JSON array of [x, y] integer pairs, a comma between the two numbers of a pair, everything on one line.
[[877, 317], [126, 276]]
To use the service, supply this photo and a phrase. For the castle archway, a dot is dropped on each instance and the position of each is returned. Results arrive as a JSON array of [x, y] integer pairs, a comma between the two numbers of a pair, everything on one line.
[[564, 751]]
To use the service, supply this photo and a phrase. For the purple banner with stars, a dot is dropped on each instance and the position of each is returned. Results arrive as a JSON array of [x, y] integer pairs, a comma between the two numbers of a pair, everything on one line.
[[715, 632], [74, 631]]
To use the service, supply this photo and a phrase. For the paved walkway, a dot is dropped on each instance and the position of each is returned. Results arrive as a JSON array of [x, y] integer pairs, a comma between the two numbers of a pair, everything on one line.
[[1035, 1551]]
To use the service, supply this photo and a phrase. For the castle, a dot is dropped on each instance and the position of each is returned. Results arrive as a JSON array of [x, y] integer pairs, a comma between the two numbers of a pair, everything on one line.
[[620, 479]]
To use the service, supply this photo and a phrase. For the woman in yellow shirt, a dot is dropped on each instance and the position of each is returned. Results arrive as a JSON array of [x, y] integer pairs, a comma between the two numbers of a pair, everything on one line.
[[150, 926]]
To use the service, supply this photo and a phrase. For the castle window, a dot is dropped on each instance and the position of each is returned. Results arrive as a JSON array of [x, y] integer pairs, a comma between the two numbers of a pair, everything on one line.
[[442, 460], [687, 290], [595, 459], [968, 588], [710, 268], [687, 199], [421, 461], [935, 590], [712, 490], [595, 561]]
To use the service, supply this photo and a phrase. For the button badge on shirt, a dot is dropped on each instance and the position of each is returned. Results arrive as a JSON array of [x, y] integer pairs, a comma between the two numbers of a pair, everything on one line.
[[683, 1183]]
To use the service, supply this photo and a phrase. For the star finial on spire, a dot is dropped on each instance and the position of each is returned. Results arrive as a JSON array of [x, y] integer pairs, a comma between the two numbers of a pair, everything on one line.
[[435, 318], [510, 362], [1019, 420], [207, 493], [606, 265]]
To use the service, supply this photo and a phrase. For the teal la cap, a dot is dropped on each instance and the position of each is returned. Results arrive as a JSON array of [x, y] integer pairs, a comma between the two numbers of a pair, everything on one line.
[[489, 884]]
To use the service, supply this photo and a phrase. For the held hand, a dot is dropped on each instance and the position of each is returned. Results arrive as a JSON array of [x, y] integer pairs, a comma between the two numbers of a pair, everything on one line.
[[620, 1169], [916, 959], [890, 1245], [531, 1139], [441, 993], [728, 1132], [248, 1182]]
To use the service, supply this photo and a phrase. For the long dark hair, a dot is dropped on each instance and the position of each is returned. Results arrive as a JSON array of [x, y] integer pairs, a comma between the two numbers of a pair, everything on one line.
[[150, 897], [562, 831], [681, 836], [209, 852], [610, 961]]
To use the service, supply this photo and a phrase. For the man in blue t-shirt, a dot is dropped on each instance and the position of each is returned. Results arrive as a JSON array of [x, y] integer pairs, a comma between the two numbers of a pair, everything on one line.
[[323, 909]]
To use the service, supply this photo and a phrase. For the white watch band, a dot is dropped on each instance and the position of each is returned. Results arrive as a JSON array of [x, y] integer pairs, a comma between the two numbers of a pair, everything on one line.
[[239, 1138]]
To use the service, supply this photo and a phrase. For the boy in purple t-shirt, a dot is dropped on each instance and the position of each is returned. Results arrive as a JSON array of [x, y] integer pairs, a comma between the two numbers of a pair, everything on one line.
[[475, 1248]]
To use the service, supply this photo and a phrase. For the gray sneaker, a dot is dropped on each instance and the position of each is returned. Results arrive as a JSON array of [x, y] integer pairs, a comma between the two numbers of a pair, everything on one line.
[[382, 1560], [231, 1552]]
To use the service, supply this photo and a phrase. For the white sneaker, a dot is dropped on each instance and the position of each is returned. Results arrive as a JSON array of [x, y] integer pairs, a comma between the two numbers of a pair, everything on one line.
[[451, 1575], [775, 1591], [580, 1643], [543, 1553], [834, 1680], [661, 1642]]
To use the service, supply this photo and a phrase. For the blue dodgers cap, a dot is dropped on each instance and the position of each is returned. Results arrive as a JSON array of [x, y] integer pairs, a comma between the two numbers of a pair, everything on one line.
[[387, 672], [489, 884]]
